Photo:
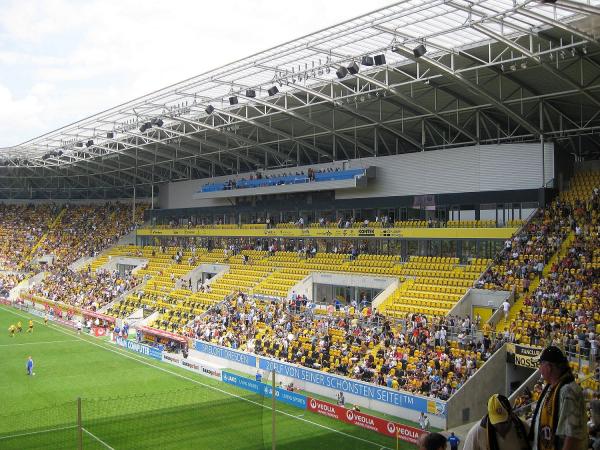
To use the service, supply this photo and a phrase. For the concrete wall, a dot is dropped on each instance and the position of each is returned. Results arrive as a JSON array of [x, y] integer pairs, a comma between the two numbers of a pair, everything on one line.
[[469, 403], [126, 260], [25, 285], [479, 297], [342, 279], [304, 287], [383, 295]]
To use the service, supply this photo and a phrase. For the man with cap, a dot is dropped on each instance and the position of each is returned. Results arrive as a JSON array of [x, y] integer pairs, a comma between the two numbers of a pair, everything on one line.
[[499, 429], [431, 441], [559, 420]]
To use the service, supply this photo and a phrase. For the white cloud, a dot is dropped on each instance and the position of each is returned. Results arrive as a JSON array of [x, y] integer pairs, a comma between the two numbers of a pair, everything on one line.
[[63, 60]]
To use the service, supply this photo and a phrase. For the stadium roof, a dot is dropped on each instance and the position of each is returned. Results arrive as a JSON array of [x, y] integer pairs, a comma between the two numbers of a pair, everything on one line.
[[493, 71]]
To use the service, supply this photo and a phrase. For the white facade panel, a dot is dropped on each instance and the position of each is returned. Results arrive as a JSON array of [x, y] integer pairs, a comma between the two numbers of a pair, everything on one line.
[[463, 169]]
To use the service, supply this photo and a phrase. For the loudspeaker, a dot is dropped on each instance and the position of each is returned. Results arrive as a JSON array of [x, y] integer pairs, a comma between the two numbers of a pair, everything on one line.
[[273, 90], [233, 100], [379, 60], [419, 51], [109, 135], [209, 109], [366, 61], [250, 93], [353, 68], [341, 72]]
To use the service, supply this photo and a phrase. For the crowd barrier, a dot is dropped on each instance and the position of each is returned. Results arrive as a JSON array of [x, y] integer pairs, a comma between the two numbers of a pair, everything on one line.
[[350, 416], [367, 421], [377, 397], [143, 349], [281, 395], [193, 365]]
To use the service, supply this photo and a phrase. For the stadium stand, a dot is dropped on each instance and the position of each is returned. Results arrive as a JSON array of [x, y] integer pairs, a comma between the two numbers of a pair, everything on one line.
[[561, 309], [415, 359], [82, 289], [426, 237], [8, 281], [101, 225], [21, 229]]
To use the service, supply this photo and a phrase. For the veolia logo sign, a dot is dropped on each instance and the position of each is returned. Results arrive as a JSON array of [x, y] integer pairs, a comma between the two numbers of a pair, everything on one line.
[[391, 427], [313, 403], [359, 418], [325, 407], [413, 434]]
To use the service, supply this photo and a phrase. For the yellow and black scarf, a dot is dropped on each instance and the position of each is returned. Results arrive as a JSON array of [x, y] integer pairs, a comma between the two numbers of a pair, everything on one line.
[[548, 410]]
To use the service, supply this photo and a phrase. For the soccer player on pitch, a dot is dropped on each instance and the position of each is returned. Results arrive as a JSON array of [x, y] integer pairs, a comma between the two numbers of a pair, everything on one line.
[[30, 327], [12, 330], [30, 366]]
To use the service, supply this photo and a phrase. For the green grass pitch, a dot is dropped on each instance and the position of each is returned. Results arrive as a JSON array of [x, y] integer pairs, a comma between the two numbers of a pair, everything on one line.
[[131, 402]]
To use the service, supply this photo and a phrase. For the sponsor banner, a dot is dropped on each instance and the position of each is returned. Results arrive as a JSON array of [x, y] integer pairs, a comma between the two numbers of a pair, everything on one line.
[[376, 424], [527, 356], [139, 348], [98, 331], [284, 396], [366, 390], [281, 395], [243, 382], [318, 232], [226, 353], [5, 301], [193, 365]]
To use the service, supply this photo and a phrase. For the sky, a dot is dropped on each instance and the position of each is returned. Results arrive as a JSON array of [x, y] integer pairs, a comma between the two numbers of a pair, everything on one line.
[[62, 60]]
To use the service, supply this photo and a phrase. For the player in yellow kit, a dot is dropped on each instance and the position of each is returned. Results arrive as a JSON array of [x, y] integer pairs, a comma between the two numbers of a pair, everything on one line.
[[12, 330], [19, 326], [30, 330]]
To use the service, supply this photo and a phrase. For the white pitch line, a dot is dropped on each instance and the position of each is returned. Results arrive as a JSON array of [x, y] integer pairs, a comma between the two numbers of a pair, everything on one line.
[[97, 438], [147, 363], [38, 343], [37, 432]]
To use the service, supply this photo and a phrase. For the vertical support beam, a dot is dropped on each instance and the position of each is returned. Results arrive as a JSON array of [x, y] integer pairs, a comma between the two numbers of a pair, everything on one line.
[[333, 136], [273, 441], [542, 144], [79, 425]]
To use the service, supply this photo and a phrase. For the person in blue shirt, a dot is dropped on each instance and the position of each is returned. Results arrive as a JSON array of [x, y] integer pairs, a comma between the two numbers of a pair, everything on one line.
[[258, 376], [29, 366], [453, 441]]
